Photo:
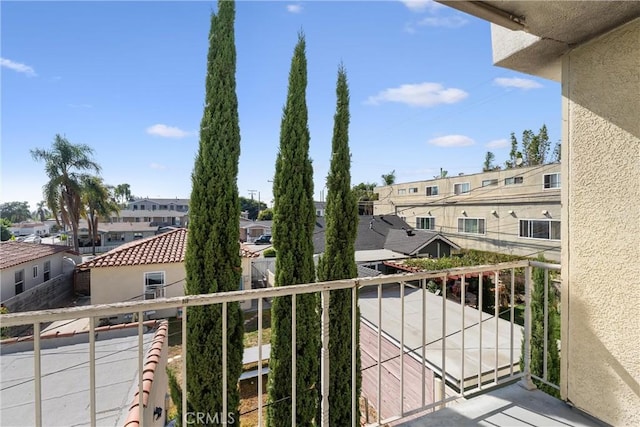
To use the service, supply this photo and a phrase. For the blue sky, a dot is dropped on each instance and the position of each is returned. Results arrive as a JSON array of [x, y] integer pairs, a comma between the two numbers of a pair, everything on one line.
[[127, 78]]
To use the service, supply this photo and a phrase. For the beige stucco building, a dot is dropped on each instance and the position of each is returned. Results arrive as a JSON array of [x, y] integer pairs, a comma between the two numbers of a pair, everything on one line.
[[593, 49], [513, 211]]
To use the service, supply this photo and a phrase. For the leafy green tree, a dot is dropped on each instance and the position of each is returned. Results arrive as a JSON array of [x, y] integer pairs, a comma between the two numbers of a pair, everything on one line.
[[66, 165], [15, 211], [5, 233], [557, 152], [389, 178], [488, 162], [251, 206], [122, 193], [338, 262], [212, 259], [293, 226], [265, 215], [364, 196], [537, 334], [535, 149], [98, 204], [443, 174]]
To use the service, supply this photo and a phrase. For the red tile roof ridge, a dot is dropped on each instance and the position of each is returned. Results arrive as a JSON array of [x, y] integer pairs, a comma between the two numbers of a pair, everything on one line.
[[148, 374], [58, 334]]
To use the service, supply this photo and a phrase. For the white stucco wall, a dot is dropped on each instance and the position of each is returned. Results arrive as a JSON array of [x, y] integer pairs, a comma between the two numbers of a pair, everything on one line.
[[7, 276], [601, 227]]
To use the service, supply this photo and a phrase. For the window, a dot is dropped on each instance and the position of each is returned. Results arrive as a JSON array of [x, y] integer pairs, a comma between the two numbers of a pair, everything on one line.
[[551, 180], [135, 207], [34, 269], [471, 225], [413, 190], [488, 182], [513, 180], [545, 229], [19, 281], [154, 285], [432, 191], [47, 270], [402, 191], [137, 235], [461, 188], [153, 207], [426, 223], [141, 207], [164, 207]]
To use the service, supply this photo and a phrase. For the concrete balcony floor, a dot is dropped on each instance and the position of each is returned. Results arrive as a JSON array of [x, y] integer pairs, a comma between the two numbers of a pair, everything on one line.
[[511, 405]]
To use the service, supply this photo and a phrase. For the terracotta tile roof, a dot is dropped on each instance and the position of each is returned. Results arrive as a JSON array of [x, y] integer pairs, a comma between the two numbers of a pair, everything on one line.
[[14, 253], [148, 373], [164, 248]]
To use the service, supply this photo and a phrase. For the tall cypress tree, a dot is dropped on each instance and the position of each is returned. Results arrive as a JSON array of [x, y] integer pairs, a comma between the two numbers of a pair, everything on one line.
[[338, 262], [213, 254], [293, 224]]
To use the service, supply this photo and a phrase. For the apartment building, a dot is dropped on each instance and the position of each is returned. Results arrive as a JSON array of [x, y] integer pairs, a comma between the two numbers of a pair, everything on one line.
[[155, 211], [512, 211]]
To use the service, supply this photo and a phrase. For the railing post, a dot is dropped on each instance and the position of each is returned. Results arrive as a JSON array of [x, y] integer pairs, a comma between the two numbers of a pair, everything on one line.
[[185, 407], [526, 382], [92, 369], [324, 359], [224, 364], [37, 372]]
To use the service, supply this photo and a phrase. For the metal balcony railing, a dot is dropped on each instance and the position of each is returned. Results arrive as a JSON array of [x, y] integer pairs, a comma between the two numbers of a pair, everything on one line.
[[427, 349]]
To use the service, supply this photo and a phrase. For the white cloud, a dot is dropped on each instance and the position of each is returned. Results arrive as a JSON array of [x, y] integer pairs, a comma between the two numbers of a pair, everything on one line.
[[454, 21], [517, 83], [157, 166], [421, 5], [294, 8], [452, 141], [419, 95], [167, 131], [18, 67], [498, 143]]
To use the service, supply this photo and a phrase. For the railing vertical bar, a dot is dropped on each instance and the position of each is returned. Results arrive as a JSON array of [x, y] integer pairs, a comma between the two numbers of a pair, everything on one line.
[[402, 284], [527, 382], [512, 318], [324, 358], [480, 305], [546, 323], [424, 339], [184, 366], [444, 339], [496, 308], [37, 373], [379, 403], [260, 362], [294, 380], [141, 367], [463, 303], [92, 370], [354, 350], [224, 363]]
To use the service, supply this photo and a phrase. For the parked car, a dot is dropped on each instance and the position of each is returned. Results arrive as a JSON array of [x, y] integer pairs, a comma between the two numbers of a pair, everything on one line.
[[264, 239], [32, 238]]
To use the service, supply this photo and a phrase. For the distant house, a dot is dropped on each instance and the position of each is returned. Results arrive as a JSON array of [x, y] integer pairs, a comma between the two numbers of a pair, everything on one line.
[[115, 234], [158, 212], [65, 364], [385, 237], [251, 230], [26, 228], [27, 266], [320, 208], [146, 269]]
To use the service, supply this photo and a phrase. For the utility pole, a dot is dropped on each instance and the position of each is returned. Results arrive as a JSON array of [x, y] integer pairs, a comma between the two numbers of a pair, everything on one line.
[[252, 192]]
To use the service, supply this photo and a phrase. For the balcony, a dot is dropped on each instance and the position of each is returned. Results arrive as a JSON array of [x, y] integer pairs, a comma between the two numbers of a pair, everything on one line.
[[427, 359]]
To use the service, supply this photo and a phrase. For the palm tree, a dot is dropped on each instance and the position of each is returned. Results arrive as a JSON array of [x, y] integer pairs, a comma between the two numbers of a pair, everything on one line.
[[65, 166], [122, 193], [389, 178], [98, 203], [41, 211]]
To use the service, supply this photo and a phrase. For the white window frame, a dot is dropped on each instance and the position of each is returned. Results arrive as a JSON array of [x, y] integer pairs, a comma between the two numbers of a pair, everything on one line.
[[544, 181], [413, 190], [18, 281], [429, 189], [461, 192], [402, 191], [530, 230], [513, 180], [432, 222], [34, 271], [153, 291], [47, 270], [465, 219], [489, 182]]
